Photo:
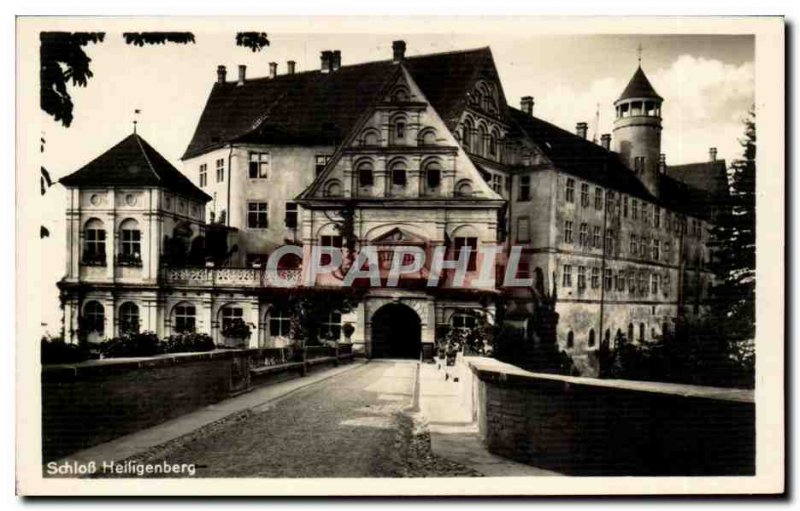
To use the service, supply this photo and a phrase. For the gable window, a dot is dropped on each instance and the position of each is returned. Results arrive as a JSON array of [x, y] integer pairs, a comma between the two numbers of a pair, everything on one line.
[[130, 240], [568, 231], [320, 160], [329, 241], [257, 215], [291, 215], [129, 318], [220, 170], [365, 178], [584, 195], [581, 277], [185, 318], [472, 244], [569, 193], [331, 326], [203, 175], [94, 317], [595, 277], [259, 166], [598, 198], [433, 175], [524, 188], [583, 235], [94, 243], [280, 323], [497, 183], [493, 144], [566, 277]]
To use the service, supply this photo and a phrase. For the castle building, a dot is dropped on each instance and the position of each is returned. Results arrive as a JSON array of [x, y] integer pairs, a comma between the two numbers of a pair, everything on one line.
[[419, 151]]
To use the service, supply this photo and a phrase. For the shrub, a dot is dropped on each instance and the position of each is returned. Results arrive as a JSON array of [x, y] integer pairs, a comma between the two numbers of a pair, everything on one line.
[[188, 342], [237, 329], [144, 344], [56, 351]]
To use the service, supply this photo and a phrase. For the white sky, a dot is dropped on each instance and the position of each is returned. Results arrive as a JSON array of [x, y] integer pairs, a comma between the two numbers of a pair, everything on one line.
[[707, 82]]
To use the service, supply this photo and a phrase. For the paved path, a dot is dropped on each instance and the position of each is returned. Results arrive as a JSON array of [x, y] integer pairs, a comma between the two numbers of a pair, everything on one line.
[[347, 426]]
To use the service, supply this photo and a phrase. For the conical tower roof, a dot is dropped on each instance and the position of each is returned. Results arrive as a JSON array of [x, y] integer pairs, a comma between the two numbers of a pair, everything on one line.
[[639, 87]]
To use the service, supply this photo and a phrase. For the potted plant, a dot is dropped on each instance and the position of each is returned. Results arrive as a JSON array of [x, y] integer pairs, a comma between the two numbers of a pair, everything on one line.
[[348, 329], [238, 330]]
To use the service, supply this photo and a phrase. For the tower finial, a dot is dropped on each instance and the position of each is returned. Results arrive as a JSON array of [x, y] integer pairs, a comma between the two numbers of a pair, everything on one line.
[[639, 54], [135, 119]]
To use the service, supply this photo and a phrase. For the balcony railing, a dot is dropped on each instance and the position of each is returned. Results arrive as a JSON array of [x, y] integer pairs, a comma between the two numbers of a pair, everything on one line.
[[230, 277]]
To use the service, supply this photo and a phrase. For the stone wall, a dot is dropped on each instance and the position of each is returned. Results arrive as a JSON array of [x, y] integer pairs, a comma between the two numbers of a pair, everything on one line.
[[582, 426]]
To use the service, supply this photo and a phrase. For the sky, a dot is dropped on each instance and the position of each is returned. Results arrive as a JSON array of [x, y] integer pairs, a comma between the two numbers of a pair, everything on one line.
[[707, 82]]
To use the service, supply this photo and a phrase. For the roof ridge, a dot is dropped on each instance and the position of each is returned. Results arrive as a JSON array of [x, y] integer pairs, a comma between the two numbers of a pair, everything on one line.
[[146, 158]]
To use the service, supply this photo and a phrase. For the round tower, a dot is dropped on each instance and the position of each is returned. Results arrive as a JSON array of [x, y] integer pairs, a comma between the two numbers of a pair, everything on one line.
[[637, 129]]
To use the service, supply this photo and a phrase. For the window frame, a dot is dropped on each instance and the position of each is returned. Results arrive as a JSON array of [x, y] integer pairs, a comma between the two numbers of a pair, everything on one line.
[[258, 165], [183, 320], [258, 212]]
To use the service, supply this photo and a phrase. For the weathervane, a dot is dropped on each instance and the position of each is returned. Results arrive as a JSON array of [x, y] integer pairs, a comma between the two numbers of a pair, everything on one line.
[[135, 119], [639, 54]]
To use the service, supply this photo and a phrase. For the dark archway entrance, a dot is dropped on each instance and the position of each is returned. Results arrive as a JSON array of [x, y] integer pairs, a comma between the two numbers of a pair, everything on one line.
[[396, 332]]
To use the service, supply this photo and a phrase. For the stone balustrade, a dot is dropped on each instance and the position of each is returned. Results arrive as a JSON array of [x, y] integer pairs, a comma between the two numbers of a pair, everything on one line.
[[230, 277]]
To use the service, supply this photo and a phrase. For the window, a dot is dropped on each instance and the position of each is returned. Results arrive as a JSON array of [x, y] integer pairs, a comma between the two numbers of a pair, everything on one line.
[[472, 244], [257, 215], [203, 175], [634, 209], [329, 241], [642, 282], [497, 183], [280, 323], [598, 198], [667, 221], [291, 215], [493, 144], [625, 206], [229, 316], [654, 283], [667, 249], [609, 241], [523, 229], [634, 245], [331, 326], [130, 240], [185, 318], [483, 138], [365, 176], [617, 279], [591, 337], [220, 170], [641, 332], [464, 320], [665, 286], [567, 276], [638, 164], [433, 176], [94, 243], [568, 231], [595, 278], [94, 317], [607, 280], [596, 236], [644, 247], [630, 332], [584, 195], [320, 161], [259, 166], [583, 235], [631, 281], [129, 318], [610, 202], [400, 130], [656, 249], [570, 339], [569, 193], [466, 135], [656, 216], [524, 188], [399, 175], [581, 277], [645, 214]]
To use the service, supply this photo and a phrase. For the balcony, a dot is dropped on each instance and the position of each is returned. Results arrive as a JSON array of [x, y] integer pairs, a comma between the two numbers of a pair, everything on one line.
[[230, 277]]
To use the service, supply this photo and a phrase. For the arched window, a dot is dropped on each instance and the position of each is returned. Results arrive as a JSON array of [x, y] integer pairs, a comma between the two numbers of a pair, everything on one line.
[[466, 135], [280, 322], [641, 332], [130, 243], [399, 174], [591, 337], [482, 140], [94, 243], [433, 175], [129, 318], [464, 188], [570, 339], [428, 137], [371, 138], [398, 135], [231, 313], [94, 317], [331, 326], [185, 318], [493, 141], [463, 320], [333, 189], [365, 177], [400, 95], [630, 332]]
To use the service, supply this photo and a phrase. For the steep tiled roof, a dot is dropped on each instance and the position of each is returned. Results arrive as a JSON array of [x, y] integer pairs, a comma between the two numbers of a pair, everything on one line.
[[316, 107], [133, 162], [711, 176], [688, 199], [639, 87], [580, 157]]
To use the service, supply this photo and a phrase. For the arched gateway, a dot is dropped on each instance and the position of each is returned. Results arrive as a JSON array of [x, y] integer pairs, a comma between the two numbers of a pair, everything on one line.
[[396, 332]]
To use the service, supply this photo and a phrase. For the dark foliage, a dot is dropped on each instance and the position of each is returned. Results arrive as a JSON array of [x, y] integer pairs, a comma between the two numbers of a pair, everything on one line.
[[143, 38], [310, 307], [188, 342], [144, 344], [256, 41], [237, 329], [62, 61], [56, 351]]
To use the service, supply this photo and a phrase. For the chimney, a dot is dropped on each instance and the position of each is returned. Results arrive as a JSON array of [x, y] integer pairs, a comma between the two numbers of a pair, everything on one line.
[[398, 51], [581, 128], [221, 73], [325, 61], [242, 74], [290, 67], [712, 152], [526, 104], [273, 69], [605, 141], [662, 163], [336, 60]]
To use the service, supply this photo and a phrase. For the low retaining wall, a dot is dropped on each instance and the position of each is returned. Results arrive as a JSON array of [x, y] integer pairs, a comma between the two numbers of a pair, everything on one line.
[[92, 402], [584, 426]]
